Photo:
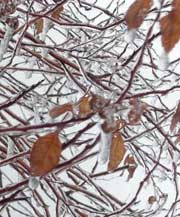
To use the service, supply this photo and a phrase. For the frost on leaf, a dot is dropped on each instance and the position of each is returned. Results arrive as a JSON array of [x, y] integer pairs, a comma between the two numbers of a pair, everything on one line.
[[175, 118], [60, 109], [45, 154], [137, 12], [98, 103], [117, 151], [109, 126], [137, 108], [170, 29]]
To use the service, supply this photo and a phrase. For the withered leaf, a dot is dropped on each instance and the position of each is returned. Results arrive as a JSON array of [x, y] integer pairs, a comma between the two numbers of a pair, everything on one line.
[[60, 109], [170, 29], [137, 12], [55, 14], [84, 105], [175, 118], [45, 154], [39, 25], [132, 166], [117, 151], [151, 200]]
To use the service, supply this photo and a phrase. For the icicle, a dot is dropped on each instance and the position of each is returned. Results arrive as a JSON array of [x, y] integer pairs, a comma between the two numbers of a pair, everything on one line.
[[130, 35], [33, 182], [5, 41], [164, 61], [10, 148], [104, 148]]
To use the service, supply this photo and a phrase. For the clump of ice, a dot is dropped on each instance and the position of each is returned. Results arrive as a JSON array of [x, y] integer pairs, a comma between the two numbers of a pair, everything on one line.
[[130, 35], [33, 182]]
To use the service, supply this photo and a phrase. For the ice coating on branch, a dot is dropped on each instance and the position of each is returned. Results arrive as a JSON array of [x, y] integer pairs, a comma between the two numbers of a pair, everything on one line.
[[130, 35], [33, 182], [37, 119], [10, 148], [46, 27], [28, 74], [5, 41], [164, 61], [104, 147]]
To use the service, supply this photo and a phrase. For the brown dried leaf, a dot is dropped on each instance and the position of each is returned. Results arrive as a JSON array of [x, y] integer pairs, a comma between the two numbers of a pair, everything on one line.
[[175, 118], [39, 25], [45, 154], [132, 166], [137, 12], [117, 151], [170, 29], [129, 160], [84, 105], [55, 14], [60, 109], [151, 199]]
